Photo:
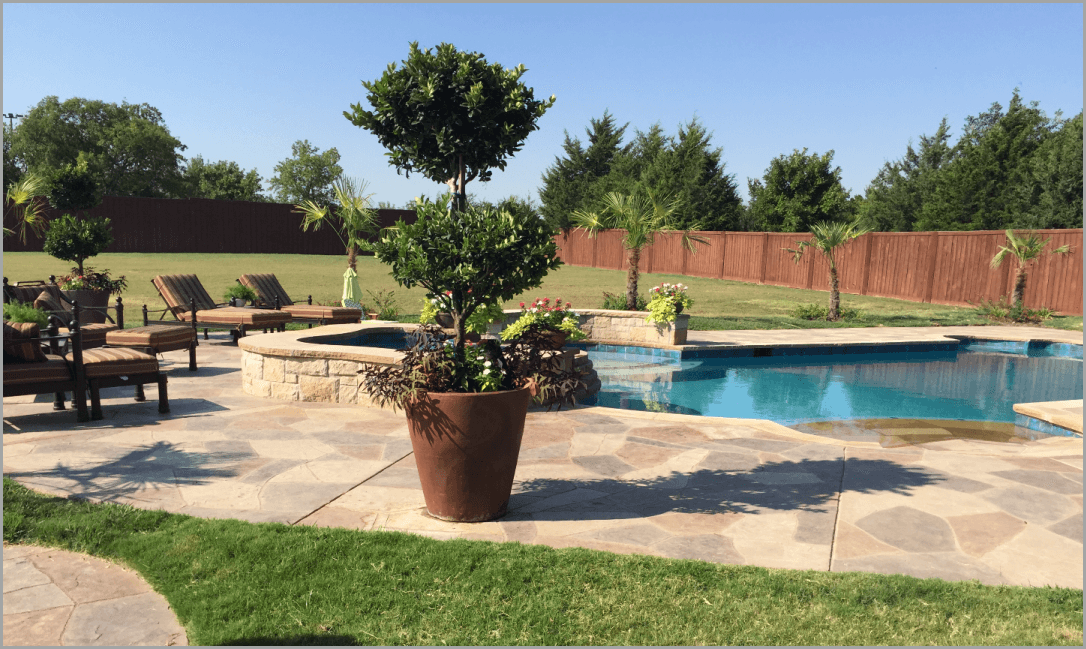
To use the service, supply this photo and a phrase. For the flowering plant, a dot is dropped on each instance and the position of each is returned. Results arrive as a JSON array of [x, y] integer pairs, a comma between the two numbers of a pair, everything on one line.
[[666, 302], [549, 317], [92, 280]]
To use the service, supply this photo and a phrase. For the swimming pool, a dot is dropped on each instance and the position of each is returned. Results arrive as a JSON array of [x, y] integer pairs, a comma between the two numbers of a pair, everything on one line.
[[970, 381]]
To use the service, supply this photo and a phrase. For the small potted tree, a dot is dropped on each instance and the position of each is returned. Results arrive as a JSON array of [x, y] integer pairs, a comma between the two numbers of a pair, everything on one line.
[[466, 402], [76, 238]]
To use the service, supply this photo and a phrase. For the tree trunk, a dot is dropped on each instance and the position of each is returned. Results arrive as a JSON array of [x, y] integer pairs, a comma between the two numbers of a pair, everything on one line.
[[352, 257], [634, 259], [1019, 286], [835, 296]]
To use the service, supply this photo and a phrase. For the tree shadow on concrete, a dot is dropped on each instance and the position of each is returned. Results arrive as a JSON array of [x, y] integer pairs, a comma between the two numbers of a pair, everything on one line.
[[161, 465], [806, 485]]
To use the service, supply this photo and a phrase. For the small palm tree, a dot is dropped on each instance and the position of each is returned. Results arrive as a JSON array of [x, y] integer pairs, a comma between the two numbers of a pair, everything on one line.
[[351, 219], [827, 238], [29, 208], [642, 217], [1026, 249]]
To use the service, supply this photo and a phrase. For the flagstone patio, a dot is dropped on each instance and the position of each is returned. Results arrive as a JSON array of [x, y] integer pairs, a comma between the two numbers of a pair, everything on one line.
[[725, 490]]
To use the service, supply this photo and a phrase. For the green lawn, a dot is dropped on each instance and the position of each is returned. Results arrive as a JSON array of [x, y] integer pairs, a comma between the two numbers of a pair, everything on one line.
[[718, 304], [231, 582]]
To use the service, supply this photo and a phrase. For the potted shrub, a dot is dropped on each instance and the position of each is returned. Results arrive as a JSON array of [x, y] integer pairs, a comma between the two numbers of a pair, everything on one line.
[[91, 288], [466, 403], [668, 301], [557, 321], [240, 295]]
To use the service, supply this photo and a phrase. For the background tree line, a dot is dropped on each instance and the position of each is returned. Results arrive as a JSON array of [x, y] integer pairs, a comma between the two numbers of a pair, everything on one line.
[[1016, 169], [128, 150]]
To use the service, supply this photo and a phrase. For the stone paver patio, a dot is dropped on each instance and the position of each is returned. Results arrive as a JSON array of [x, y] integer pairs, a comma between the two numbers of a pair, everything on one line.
[[726, 490]]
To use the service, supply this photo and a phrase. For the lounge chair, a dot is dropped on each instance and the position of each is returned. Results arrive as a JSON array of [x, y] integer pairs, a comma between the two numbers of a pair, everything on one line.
[[270, 295], [57, 363], [48, 297], [185, 296]]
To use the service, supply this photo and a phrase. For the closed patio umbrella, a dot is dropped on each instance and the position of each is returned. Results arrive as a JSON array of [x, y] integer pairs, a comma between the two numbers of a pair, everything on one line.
[[352, 294]]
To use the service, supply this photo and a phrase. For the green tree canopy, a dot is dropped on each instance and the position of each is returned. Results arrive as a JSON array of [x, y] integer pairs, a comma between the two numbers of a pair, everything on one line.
[[222, 180], [128, 148], [449, 115], [307, 175], [798, 191], [1055, 182]]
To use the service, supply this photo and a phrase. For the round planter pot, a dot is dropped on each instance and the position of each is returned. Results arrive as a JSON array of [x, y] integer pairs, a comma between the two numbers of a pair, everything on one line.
[[678, 308], [444, 319], [88, 298], [466, 447]]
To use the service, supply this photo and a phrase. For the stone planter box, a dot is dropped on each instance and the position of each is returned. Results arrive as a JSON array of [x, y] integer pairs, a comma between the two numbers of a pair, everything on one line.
[[625, 328]]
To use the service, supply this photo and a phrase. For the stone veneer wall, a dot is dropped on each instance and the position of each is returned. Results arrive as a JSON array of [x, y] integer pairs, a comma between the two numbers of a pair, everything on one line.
[[334, 381], [625, 327]]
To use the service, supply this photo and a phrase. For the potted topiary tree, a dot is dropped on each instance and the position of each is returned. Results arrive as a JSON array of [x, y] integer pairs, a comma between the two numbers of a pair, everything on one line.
[[78, 238], [466, 402]]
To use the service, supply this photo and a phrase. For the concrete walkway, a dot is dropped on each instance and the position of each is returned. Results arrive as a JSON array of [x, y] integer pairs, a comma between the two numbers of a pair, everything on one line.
[[911, 500], [59, 598]]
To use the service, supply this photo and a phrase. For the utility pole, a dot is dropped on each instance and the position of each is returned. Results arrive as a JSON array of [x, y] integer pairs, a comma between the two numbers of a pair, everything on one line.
[[11, 119]]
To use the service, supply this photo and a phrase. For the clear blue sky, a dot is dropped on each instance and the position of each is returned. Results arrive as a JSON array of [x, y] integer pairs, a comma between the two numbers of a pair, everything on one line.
[[243, 82]]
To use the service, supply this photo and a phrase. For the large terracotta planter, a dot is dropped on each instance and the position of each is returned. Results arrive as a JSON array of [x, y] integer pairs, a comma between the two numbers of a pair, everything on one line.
[[466, 447], [88, 298], [444, 319], [557, 339]]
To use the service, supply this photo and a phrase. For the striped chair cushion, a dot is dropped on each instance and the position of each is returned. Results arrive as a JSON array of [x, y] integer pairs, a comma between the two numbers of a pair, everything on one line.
[[94, 334], [229, 315], [267, 287], [327, 313], [116, 361], [19, 346], [53, 369], [46, 301], [29, 291], [178, 290], [161, 338]]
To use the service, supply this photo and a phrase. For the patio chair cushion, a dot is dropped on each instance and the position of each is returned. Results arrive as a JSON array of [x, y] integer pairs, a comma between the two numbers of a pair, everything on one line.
[[161, 338], [29, 291], [179, 290], [229, 315], [19, 346], [94, 334], [328, 313], [266, 286], [116, 361], [52, 369], [47, 301]]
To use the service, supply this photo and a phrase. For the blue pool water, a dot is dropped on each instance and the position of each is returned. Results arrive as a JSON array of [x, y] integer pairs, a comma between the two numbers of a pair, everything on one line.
[[977, 381]]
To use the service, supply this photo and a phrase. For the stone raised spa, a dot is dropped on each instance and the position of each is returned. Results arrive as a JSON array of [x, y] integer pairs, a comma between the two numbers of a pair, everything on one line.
[[321, 364]]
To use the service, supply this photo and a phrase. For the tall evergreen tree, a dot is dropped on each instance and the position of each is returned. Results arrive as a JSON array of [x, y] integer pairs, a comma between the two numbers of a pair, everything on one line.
[[896, 196], [1055, 184], [985, 186], [571, 183]]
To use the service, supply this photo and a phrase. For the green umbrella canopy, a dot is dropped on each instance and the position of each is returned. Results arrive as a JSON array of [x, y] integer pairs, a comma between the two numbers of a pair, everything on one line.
[[352, 294]]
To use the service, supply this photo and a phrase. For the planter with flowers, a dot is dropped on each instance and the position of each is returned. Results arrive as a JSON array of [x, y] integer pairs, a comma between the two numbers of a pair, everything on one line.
[[667, 301], [91, 289], [466, 403], [557, 321]]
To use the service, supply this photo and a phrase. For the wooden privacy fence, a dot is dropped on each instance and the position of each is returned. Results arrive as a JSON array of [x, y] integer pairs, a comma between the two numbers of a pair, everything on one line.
[[940, 267], [204, 225]]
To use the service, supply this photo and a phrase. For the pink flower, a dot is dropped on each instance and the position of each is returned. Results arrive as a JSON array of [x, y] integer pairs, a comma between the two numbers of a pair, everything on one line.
[[522, 305], [568, 305]]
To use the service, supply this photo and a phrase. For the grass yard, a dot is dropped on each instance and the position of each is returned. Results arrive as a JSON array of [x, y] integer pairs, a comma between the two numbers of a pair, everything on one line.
[[231, 582], [718, 304]]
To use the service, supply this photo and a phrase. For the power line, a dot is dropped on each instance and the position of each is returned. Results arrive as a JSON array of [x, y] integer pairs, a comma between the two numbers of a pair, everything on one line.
[[11, 119]]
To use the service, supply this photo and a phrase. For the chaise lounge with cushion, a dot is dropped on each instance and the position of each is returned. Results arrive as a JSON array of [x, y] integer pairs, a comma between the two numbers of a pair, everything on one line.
[[57, 363], [188, 301], [270, 294], [49, 298]]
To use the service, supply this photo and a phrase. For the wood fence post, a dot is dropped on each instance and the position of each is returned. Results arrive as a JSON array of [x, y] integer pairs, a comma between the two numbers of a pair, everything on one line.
[[870, 237], [933, 255], [723, 253], [765, 256]]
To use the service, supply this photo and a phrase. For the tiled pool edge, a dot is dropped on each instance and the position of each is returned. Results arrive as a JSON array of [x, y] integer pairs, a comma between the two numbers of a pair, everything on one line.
[[1051, 417]]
